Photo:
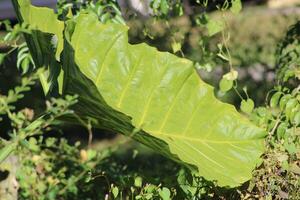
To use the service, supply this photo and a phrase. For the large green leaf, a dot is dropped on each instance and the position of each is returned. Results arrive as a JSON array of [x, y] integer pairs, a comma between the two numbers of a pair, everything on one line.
[[157, 99]]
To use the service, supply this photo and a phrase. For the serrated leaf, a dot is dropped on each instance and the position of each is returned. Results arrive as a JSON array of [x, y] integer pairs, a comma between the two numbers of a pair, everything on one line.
[[158, 99]]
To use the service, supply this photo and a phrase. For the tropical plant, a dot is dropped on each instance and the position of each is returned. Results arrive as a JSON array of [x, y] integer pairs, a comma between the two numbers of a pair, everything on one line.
[[154, 97]]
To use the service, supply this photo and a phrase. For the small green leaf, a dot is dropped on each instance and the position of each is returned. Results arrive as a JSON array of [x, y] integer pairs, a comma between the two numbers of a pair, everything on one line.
[[164, 7], [25, 65], [32, 144], [280, 132], [275, 99], [247, 106], [214, 27], [150, 188], [296, 119], [225, 85], [138, 182], [186, 182], [149, 196], [290, 105], [236, 6], [284, 100], [176, 46], [165, 193], [115, 191], [290, 147], [295, 110]]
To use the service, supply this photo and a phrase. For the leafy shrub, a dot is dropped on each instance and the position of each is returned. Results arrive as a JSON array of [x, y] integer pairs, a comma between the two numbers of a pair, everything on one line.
[[288, 55], [280, 173]]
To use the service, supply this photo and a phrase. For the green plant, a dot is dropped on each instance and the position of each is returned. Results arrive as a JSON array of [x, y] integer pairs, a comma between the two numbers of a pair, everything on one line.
[[288, 55], [279, 176], [22, 128], [25, 128], [13, 40], [90, 72]]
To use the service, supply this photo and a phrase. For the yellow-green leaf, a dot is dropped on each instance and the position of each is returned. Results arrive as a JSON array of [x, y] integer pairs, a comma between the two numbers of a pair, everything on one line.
[[247, 106], [236, 6], [225, 85], [214, 26], [157, 99]]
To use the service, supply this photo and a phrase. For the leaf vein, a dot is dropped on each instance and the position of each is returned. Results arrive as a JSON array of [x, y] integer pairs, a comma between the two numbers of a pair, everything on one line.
[[174, 101], [105, 56], [128, 83]]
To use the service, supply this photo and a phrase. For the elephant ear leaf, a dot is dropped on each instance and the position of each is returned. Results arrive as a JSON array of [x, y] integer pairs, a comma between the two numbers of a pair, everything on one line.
[[45, 41], [157, 99], [165, 98]]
